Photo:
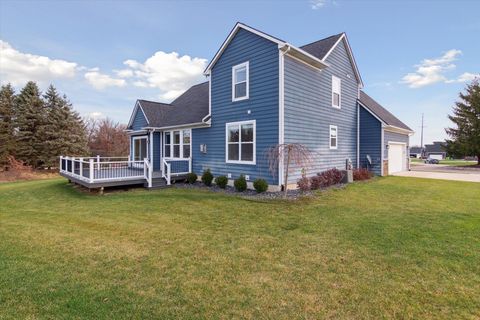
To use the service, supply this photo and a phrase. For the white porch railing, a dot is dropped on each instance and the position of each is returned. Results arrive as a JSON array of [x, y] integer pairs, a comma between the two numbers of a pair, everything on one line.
[[98, 169], [175, 167]]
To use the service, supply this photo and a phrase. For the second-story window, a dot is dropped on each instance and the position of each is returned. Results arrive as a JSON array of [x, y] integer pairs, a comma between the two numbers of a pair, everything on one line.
[[336, 92], [240, 82]]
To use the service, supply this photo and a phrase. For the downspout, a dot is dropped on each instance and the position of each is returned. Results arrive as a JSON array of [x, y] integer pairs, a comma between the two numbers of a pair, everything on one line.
[[281, 112]]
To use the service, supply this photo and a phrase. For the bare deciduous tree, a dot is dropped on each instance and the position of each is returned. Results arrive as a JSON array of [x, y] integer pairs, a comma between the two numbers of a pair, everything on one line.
[[289, 153], [107, 138]]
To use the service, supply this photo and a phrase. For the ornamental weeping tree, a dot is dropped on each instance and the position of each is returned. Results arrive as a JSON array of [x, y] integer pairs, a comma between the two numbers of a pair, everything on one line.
[[465, 135], [290, 154]]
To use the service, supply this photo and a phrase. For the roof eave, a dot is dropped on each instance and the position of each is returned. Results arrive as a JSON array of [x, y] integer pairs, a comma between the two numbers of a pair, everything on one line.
[[303, 56]]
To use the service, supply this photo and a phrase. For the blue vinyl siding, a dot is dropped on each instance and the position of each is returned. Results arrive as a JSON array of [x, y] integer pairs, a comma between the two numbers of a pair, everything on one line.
[[156, 151], [370, 141], [262, 56], [309, 112], [178, 166], [396, 137], [139, 120]]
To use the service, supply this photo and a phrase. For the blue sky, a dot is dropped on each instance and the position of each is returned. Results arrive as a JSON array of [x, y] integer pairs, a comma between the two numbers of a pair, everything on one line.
[[414, 56]]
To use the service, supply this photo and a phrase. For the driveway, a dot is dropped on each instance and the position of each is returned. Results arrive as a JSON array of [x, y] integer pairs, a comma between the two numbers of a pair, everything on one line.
[[444, 172]]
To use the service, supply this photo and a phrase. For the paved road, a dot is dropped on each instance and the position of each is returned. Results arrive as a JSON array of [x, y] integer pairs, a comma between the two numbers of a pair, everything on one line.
[[444, 172]]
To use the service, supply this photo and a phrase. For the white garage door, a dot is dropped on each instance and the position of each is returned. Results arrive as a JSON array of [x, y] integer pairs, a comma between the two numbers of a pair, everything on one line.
[[396, 157]]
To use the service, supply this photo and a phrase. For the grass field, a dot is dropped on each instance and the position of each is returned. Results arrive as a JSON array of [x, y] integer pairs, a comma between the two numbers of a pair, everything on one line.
[[456, 163], [390, 248]]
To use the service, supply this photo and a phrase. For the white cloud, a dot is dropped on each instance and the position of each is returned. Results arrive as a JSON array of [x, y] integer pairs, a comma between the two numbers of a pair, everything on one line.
[[431, 71], [465, 77], [124, 73], [318, 4], [17, 67], [169, 72], [101, 81], [95, 115]]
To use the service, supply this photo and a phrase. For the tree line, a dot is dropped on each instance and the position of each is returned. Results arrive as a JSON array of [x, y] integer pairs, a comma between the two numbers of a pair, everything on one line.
[[36, 128]]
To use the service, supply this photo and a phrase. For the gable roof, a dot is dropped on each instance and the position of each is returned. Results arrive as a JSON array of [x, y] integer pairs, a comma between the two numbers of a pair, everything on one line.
[[324, 47], [321, 47], [297, 52], [380, 112], [189, 108]]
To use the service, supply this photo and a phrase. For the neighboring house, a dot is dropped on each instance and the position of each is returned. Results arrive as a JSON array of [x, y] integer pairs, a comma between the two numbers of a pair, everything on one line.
[[263, 91], [416, 152], [436, 150]]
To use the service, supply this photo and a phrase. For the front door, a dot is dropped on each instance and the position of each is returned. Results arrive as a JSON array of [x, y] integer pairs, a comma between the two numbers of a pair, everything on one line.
[[140, 148]]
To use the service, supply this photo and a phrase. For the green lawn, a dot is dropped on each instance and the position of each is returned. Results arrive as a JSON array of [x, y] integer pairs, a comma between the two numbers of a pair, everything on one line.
[[456, 163], [390, 248]]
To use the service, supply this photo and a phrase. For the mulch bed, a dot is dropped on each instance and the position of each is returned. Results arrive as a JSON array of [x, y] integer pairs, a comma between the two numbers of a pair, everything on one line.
[[252, 194]]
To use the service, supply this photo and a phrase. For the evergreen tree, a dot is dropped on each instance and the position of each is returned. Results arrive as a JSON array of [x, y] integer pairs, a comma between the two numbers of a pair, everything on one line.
[[50, 129], [7, 100], [465, 136], [28, 119], [75, 142], [63, 131]]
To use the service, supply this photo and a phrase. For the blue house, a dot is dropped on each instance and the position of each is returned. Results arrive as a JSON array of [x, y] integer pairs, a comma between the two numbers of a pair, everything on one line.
[[261, 91]]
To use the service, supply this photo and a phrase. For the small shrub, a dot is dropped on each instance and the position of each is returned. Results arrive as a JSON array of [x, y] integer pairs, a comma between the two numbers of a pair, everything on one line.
[[260, 185], [362, 174], [240, 184], [326, 178], [221, 181], [207, 177], [192, 177], [303, 184]]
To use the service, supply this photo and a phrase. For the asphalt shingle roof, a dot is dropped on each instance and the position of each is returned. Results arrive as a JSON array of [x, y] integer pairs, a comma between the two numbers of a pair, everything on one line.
[[321, 47], [190, 107], [381, 112]]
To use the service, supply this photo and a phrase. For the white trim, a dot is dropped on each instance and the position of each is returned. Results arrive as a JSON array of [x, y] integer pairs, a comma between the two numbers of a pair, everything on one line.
[[382, 156], [136, 132], [145, 137], [306, 57], [281, 111], [397, 142], [395, 129], [240, 123], [230, 37], [335, 80], [245, 65], [280, 44], [350, 56], [330, 137], [137, 105], [303, 61], [371, 112], [171, 157], [186, 125], [358, 136]]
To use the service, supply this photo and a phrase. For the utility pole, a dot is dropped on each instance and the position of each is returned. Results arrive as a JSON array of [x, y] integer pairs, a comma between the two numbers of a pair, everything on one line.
[[421, 138]]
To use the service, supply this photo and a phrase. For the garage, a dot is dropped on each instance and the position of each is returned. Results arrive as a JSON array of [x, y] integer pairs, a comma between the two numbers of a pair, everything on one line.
[[396, 157], [383, 139]]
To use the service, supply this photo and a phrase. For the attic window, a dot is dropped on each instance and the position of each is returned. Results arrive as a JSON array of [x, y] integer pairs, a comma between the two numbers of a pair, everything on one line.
[[240, 82]]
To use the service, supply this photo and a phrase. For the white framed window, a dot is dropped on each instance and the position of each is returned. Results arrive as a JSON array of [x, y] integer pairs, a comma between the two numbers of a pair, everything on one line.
[[336, 92], [177, 144], [240, 142], [140, 149], [333, 137], [240, 81]]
